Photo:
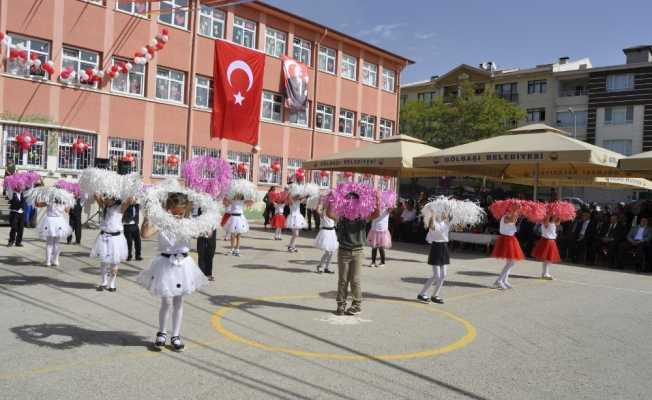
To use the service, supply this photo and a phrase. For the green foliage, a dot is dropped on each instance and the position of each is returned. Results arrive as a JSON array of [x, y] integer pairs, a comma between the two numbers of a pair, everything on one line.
[[469, 117]]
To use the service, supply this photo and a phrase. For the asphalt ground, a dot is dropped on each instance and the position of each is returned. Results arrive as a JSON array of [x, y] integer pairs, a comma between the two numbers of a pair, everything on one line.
[[265, 330]]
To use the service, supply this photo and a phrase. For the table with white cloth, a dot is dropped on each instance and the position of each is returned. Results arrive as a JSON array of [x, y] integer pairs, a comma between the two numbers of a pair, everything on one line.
[[485, 239]]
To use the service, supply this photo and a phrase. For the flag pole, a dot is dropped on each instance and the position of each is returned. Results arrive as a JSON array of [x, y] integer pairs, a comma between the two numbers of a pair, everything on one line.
[[191, 80]]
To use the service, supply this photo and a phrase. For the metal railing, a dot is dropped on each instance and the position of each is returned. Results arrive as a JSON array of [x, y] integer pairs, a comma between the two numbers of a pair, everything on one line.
[[580, 91]]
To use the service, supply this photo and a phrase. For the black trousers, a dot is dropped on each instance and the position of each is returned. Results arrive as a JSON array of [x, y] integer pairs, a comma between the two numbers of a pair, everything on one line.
[[381, 250], [312, 215], [76, 226], [17, 222], [206, 251], [132, 234]]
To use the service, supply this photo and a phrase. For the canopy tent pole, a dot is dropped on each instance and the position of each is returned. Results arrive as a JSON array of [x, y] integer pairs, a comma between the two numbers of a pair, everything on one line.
[[536, 181]]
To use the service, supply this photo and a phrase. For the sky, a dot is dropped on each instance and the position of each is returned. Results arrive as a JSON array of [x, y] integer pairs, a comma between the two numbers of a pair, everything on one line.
[[441, 34]]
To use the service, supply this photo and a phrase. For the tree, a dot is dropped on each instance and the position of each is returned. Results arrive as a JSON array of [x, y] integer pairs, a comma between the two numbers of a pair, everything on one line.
[[468, 117]]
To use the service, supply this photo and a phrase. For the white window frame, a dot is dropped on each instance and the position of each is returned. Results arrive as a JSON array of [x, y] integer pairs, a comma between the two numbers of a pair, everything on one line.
[[198, 151], [321, 181], [160, 153], [36, 157], [348, 117], [367, 122], [389, 80], [165, 75], [324, 111], [370, 74], [609, 112], [132, 7], [274, 37], [293, 165], [16, 68], [349, 67], [265, 173], [212, 16], [304, 49], [119, 147], [240, 23], [327, 60], [610, 144], [137, 71], [177, 8], [235, 158], [77, 60], [67, 159], [385, 128], [274, 101], [613, 82], [205, 85], [293, 116], [531, 112]]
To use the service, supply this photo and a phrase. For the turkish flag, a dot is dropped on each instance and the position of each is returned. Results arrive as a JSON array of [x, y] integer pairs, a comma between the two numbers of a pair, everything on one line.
[[237, 89]]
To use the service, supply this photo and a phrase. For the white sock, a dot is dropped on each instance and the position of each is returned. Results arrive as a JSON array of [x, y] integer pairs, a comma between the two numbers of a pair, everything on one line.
[[49, 245], [441, 276], [429, 282], [504, 275], [545, 269], [163, 312], [114, 276], [56, 249], [177, 315], [104, 270]]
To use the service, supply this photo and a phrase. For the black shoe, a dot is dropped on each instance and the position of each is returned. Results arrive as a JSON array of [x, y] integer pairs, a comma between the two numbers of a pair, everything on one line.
[[329, 271], [10, 244], [112, 289], [177, 344], [354, 310], [423, 299], [437, 300], [340, 310], [68, 243], [161, 338], [129, 258], [19, 245], [101, 288], [139, 258]]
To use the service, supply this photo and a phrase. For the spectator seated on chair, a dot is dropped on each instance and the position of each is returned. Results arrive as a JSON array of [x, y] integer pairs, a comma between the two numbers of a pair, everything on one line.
[[636, 245]]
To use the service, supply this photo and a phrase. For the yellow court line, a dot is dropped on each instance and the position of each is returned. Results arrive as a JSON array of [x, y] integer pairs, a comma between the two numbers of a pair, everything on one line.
[[469, 336]]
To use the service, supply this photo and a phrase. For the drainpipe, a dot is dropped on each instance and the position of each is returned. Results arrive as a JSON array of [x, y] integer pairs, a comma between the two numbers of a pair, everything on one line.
[[314, 96], [191, 79]]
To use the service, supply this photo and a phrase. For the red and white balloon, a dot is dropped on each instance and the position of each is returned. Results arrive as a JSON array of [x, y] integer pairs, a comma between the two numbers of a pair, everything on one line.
[[79, 146], [172, 160], [25, 140]]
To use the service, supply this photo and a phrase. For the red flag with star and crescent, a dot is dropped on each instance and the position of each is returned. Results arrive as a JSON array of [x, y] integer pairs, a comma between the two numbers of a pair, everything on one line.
[[237, 88]]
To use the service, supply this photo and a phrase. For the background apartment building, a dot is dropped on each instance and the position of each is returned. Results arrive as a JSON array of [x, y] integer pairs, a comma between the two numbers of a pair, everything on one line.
[[163, 108]]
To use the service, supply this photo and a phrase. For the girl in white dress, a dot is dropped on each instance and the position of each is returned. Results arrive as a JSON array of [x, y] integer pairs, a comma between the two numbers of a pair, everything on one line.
[[54, 226], [111, 244], [439, 259], [172, 274], [326, 239], [295, 221], [237, 223]]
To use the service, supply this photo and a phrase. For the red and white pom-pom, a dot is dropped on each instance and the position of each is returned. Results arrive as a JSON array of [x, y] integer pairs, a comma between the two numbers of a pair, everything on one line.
[[562, 210]]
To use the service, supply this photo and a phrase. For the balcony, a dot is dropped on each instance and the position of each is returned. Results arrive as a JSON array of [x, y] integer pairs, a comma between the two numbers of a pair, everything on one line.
[[511, 97], [571, 92]]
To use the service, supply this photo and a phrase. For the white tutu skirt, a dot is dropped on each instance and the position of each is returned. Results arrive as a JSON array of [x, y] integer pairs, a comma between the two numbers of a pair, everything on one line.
[[169, 277], [110, 249], [295, 221], [54, 227], [237, 224], [326, 240]]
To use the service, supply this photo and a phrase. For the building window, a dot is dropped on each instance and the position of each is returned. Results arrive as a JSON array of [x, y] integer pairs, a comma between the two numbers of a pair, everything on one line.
[[324, 117], [119, 148], [211, 22], [161, 165], [169, 84], [327, 59], [370, 74], [621, 146], [272, 107], [321, 181], [293, 166], [236, 158], [426, 98], [536, 114], [34, 157], [68, 158], [389, 80], [132, 7], [566, 119], [619, 115], [347, 122], [620, 82], [299, 117], [131, 83], [203, 92], [34, 48], [508, 91], [349, 67], [265, 172], [275, 42], [404, 99], [174, 12], [302, 50], [366, 179], [450, 93], [244, 32], [80, 60], [537, 86], [367, 126], [205, 151], [386, 128]]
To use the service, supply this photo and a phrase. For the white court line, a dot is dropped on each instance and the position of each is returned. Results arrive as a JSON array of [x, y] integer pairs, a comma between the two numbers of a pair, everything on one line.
[[605, 286]]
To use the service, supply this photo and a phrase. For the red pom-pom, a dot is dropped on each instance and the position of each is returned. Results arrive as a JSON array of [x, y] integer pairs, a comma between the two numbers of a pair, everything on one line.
[[278, 197], [534, 211], [561, 210]]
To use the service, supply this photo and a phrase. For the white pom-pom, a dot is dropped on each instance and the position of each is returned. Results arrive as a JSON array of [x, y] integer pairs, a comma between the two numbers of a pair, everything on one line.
[[50, 195], [109, 183], [460, 213], [242, 188]]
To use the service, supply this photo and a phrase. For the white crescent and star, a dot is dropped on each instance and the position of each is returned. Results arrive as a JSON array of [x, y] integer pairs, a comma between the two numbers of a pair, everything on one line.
[[236, 65]]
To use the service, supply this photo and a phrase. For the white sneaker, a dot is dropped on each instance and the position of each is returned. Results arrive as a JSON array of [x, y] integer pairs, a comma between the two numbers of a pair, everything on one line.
[[56, 263], [499, 285], [547, 277], [372, 265], [507, 285]]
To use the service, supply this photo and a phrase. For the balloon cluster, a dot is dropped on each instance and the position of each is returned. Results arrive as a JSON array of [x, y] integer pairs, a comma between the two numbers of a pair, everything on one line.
[[172, 160], [324, 174], [276, 166], [25, 140], [299, 175], [130, 158], [79, 146], [243, 168], [117, 69], [146, 53]]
